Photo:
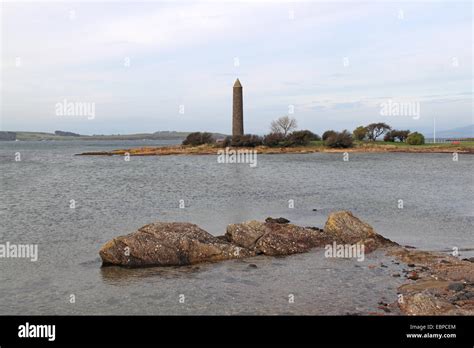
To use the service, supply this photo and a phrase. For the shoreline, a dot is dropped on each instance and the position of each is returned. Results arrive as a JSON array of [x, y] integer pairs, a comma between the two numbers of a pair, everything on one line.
[[213, 150], [434, 283]]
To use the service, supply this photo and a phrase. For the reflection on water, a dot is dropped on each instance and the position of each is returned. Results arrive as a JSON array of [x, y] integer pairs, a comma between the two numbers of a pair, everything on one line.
[[120, 275]]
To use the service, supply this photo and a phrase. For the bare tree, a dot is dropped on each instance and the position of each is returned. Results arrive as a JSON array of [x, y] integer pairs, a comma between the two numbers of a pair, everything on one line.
[[283, 125], [374, 130]]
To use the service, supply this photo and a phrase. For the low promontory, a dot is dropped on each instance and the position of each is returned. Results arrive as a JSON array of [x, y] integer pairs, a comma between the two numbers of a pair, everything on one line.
[[374, 147]]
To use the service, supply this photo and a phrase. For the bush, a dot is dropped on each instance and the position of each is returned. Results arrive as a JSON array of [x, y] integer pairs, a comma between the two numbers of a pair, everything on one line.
[[339, 140], [226, 142], [312, 136], [273, 139], [301, 138], [360, 133], [327, 134], [416, 138], [198, 138], [247, 140], [402, 135], [390, 136]]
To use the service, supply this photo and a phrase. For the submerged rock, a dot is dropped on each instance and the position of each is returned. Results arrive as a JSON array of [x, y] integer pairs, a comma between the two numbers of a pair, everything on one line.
[[424, 304], [169, 244], [438, 277], [456, 286], [413, 276]]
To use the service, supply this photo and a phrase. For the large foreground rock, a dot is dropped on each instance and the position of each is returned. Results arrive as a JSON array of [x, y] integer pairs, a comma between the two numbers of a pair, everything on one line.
[[169, 244], [344, 228], [176, 244], [272, 238]]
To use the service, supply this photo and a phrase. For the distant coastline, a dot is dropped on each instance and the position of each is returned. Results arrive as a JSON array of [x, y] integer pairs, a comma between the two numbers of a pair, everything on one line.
[[67, 136]]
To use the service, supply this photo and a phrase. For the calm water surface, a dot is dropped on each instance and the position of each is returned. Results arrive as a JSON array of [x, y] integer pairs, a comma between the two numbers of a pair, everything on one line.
[[115, 197]]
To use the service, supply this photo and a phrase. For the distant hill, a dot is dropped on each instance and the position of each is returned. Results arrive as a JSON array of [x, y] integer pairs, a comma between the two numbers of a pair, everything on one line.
[[461, 132], [62, 135], [7, 136], [66, 134]]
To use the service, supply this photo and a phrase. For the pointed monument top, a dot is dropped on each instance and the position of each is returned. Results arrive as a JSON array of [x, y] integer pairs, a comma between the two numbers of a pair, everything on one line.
[[237, 83]]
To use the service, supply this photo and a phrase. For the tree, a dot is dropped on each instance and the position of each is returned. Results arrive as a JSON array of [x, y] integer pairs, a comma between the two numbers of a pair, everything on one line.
[[339, 140], [402, 135], [283, 125], [328, 133], [360, 133], [374, 130], [416, 138]]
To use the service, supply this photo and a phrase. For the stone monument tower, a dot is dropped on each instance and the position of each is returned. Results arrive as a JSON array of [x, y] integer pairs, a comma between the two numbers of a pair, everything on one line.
[[237, 110]]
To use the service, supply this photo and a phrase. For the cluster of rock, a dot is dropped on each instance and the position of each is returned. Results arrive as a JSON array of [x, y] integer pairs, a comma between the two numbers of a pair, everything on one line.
[[443, 284], [436, 283], [177, 243]]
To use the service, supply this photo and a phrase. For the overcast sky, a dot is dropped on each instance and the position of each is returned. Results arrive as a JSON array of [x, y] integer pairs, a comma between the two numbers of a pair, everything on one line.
[[335, 62]]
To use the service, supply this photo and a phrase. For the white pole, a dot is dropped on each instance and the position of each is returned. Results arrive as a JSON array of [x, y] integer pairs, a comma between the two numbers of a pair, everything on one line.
[[434, 130]]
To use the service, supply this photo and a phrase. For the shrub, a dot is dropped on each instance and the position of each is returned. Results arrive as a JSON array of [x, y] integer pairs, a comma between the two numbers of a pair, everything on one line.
[[390, 136], [301, 138], [327, 134], [246, 140], [273, 139], [339, 140], [360, 133], [416, 138], [198, 138], [401, 135], [226, 142], [312, 136]]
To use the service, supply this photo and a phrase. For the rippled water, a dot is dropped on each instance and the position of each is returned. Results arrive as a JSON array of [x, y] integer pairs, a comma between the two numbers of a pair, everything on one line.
[[115, 197]]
